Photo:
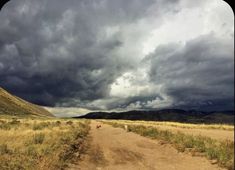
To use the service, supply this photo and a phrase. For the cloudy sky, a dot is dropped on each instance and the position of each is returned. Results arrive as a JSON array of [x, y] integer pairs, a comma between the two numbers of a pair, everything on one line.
[[119, 54]]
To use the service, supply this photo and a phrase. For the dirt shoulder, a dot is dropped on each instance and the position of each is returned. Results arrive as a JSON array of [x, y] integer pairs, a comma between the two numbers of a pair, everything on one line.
[[115, 149]]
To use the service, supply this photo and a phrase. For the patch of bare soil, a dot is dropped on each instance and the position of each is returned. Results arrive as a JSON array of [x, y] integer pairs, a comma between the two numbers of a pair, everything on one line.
[[123, 156], [115, 149]]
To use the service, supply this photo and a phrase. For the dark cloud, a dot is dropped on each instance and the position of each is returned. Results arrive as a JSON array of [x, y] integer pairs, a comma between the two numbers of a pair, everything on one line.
[[199, 74], [70, 53], [58, 50]]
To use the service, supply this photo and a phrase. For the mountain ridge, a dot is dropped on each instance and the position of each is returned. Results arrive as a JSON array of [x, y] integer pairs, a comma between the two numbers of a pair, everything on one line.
[[15, 106], [176, 115]]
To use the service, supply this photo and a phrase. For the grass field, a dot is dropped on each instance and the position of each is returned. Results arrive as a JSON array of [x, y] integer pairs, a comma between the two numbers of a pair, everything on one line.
[[221, 152], [181, 125], [42, 144], [51, 144]]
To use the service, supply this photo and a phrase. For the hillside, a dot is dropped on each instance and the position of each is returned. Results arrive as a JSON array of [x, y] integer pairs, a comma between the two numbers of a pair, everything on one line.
[[175, 115], [15, 106]]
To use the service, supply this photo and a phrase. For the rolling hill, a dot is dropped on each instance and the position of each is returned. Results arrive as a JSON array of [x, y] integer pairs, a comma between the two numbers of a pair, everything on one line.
[[175, 115], [15, 106]]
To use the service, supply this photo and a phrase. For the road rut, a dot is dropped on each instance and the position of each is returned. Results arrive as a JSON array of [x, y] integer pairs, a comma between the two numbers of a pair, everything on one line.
[[115, 149]]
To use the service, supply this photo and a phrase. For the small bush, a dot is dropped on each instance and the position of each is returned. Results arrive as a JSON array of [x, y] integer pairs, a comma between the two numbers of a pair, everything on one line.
[[69, 122], [4, 149], [38, 138], [58, 123], [14, 122], [31, 151], [2, 121], [5, 126], [41, 125]]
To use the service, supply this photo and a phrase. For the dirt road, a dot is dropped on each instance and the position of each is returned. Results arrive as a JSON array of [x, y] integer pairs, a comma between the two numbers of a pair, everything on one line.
[[115, 149]]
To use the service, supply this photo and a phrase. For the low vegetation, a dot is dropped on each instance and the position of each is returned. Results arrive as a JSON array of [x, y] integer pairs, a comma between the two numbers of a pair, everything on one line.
[[41, 144], [181, 125], [219, 151]]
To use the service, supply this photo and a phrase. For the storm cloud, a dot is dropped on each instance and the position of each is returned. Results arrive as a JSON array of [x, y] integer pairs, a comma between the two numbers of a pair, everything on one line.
[[199, 73], [118, 55]]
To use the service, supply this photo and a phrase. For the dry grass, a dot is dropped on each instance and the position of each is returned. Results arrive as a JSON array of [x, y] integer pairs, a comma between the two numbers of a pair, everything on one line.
[[181, 125], [41, 144], [222, 151], [15, 106]]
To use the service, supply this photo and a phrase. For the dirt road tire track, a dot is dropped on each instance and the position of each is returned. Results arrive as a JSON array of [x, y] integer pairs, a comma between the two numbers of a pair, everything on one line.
[[115, 149]]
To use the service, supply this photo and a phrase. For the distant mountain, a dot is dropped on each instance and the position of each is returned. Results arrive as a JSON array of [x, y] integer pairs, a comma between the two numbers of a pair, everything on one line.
[[12, 105], [176, 115]]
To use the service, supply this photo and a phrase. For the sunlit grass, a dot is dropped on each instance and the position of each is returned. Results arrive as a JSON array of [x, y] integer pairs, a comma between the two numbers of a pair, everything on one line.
[[44, 144], [182, 125]]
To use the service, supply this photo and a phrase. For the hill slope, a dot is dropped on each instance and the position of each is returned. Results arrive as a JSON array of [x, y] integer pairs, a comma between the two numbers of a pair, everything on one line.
[[175, 115], [15, 106]]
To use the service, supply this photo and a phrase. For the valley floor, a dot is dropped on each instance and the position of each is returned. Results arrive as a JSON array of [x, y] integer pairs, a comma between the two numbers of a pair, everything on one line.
[[115, 149], [214, 133]]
